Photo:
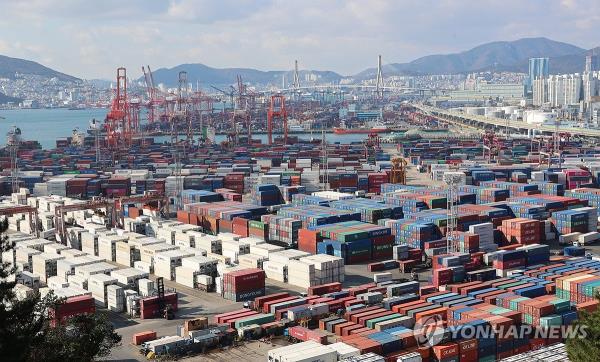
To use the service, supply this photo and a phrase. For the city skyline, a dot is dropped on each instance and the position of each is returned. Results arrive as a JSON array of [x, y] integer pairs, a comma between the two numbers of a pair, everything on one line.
[[89, 39]]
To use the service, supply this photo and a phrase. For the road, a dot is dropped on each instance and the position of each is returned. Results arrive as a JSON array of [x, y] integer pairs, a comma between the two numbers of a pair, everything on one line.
[[502, 123], [194, 303]]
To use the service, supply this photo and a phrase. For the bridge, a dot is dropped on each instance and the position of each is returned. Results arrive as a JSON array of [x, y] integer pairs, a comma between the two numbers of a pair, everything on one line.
[[342, 88], [501, 124], [378, 88]]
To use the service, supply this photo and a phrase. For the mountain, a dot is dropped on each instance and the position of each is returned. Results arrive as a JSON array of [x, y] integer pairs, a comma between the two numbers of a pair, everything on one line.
[[5, 99], [499, 55], [9, 66], [208, 76]]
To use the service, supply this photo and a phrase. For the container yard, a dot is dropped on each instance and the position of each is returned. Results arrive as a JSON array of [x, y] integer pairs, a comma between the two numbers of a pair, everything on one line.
[[309, 250]]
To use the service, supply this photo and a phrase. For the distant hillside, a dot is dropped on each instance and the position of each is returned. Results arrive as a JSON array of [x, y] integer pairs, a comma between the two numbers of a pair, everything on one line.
[[207, 76], [9, 66], [5, 99], [502, 55]]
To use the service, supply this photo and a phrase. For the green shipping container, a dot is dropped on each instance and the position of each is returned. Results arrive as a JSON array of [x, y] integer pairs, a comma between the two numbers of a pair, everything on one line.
[[551, 320], [256, 224], [514, 304], [256, 319], [371, 322], [561, 305], [346, 236]]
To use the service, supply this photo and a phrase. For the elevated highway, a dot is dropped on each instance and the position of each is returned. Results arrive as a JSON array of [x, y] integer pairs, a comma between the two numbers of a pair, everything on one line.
[[501, 124]]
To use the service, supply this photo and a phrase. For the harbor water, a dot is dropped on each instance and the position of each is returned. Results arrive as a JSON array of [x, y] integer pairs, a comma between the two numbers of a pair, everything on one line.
[[47, 125]]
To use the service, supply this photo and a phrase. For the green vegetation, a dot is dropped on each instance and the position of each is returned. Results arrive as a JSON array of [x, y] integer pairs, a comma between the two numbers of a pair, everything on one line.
[[586, 349], [26, 333]]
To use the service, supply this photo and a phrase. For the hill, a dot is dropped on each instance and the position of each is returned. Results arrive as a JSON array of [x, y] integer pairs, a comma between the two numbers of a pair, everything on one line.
[[499, 55], [502, 55], [9, 66], [207, 76], [5, 99]]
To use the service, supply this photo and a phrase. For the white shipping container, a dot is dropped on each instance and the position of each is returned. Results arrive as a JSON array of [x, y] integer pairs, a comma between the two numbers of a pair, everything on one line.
[[97, 285], [588, 238], [128, 277], [344, 350], [382, 277], [145, 287], [303, 352], [186, 276]]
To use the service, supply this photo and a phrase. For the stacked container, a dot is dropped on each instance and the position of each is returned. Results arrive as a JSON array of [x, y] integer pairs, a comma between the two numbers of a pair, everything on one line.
[[521, 231], [371, 211], [266, 195], [282, 229], [243, 285]]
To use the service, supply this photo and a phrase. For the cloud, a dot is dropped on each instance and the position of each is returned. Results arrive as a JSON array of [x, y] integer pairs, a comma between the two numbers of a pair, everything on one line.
[[91, 38]]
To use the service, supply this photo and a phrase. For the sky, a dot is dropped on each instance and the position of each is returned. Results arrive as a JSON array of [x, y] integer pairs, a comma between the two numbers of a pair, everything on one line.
[[91, 38]]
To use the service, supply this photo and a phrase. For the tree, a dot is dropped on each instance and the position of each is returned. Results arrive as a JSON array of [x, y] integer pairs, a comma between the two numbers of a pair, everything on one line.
[[84, 338], [25, 331], [22, 322], [586, 349]]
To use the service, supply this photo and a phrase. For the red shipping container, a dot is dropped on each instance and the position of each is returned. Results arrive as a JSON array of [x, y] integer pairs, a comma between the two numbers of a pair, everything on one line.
[[445, 350], [365, 345], [325, 288], [183, 216], [71, 307], [442, 276], [259, 301], [267, 305], [244, 280], [142, 337], [308, 239], [218, 317], [230, 320], [305, 334], [149, 307]]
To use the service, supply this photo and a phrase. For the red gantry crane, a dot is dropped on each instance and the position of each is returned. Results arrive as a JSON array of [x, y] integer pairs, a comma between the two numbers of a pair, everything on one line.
[[277, 109], [118, 120]]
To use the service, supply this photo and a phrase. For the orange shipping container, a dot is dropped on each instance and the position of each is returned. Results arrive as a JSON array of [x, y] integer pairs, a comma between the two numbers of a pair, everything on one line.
[[423, 316], [182, 216], [142, 337], [446, 350]]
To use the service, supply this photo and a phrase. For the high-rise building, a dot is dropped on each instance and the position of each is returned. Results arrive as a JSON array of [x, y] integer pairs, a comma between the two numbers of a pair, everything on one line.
[[538, 68], [540, 91], [592, 63], [591, 85], [564, 89]]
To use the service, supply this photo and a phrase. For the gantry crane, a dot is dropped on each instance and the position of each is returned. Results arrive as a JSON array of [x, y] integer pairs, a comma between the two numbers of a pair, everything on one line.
[[372, 145], [162, 200], [13, 141], [245, 106], [232, 134], [94, 204], [201, 104], [277, 109], [398, 172], [118, 120], [30, 210], [151, 93]]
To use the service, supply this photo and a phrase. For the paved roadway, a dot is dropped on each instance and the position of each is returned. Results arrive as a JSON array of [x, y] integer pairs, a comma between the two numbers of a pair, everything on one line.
[[194, 303], [498, 122]]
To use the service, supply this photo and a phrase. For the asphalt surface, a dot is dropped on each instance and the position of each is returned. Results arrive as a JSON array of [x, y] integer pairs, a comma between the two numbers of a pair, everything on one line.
[[194, 303]]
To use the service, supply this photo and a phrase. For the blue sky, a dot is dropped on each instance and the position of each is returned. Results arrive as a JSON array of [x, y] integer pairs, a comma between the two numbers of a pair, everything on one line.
[[91, 38]]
